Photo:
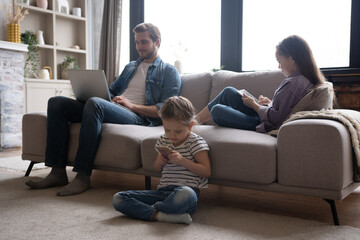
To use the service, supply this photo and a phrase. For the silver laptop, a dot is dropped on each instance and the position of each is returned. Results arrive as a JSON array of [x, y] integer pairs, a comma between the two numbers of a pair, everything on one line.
[[89, 83]]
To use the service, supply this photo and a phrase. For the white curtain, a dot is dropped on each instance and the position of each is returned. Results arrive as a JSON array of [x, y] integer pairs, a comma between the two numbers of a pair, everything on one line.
[[95, 13], [110, 43]]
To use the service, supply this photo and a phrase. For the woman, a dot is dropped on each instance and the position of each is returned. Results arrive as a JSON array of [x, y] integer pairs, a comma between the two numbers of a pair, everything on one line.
[[233, 109]]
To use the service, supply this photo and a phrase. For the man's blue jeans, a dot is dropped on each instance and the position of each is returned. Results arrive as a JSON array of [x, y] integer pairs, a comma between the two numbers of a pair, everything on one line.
[[227, 109], [62, 111], [144, 204]]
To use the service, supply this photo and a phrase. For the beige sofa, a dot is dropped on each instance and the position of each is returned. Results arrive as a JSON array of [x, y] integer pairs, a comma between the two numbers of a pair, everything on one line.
[[309, 157]]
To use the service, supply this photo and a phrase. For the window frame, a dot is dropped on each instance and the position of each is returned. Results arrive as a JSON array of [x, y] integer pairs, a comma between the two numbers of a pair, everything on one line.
[[231, 36]]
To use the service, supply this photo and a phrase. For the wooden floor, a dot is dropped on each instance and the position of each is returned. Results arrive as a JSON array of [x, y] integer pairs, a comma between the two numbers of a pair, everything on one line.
[[272, 203]]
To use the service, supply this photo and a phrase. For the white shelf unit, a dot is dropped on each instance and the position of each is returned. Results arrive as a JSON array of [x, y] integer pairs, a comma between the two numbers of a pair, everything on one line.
[[61, 33]]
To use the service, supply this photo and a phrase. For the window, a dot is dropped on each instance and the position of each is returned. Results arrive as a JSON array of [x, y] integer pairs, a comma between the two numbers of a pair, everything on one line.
[[125, 35], [248, 31], [324, 24], [190, 31]]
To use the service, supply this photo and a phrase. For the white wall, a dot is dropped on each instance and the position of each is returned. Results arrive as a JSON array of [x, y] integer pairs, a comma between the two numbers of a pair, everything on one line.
[[3, 20]]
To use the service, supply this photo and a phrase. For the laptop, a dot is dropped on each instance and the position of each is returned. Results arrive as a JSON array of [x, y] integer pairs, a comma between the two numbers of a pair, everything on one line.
[[89, 83]]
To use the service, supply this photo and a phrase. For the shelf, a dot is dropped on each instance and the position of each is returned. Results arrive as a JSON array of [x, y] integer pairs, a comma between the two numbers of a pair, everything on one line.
[[61, 32], [35, 9], [13, 46], [69, 16], [73, 50], [38, 80], [46, 46]]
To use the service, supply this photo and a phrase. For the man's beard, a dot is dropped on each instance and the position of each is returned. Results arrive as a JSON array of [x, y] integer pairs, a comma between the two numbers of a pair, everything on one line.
[[150, 54]]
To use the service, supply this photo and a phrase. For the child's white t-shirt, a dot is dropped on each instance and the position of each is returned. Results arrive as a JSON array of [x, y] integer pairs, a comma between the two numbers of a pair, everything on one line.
[[173, 174]]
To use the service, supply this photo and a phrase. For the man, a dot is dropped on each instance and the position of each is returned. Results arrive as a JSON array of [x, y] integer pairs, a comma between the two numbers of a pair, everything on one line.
[[137, 96]]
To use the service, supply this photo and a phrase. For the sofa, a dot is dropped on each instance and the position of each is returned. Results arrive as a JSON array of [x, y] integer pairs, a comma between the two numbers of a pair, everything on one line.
[[310, 157]]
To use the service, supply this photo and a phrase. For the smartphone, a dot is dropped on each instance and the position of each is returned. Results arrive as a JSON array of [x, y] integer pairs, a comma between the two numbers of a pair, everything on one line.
[[165, 151]]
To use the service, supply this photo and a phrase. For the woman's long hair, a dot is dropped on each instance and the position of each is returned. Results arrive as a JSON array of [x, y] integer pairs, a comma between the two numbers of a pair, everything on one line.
[[299, 50]]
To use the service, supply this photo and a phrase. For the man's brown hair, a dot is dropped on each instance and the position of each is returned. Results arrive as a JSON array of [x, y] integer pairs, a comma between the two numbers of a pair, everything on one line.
[[153, 30]]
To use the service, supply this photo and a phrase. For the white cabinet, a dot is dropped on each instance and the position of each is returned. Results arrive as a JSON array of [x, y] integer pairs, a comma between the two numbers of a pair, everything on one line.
[[38, 92]]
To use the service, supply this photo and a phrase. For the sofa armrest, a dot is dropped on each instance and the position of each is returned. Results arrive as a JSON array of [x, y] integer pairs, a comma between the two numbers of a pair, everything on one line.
[[34, 136], [315, 153]]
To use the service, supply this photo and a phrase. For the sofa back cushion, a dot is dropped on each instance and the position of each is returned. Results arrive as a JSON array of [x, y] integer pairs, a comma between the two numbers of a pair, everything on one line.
[[257, 83], [196, 87]]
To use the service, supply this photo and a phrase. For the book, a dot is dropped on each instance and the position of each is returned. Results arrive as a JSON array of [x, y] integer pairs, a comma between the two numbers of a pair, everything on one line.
[[243, 91]]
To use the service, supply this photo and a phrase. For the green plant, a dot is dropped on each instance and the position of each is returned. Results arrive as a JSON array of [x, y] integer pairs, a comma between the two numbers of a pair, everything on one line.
[[218, 69], [69, 62], [33, 58]]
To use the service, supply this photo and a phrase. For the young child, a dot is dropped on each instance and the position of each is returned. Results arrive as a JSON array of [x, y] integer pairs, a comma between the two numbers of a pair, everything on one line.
[[183, 171], [235, 110]]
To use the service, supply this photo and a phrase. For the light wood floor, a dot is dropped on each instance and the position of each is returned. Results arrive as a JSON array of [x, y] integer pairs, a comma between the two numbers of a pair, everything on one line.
[[272, 203]]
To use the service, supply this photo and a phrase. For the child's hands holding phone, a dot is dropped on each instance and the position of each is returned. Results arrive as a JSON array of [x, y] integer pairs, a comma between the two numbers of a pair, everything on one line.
[[175, 157], [164, 151], [168, 154]]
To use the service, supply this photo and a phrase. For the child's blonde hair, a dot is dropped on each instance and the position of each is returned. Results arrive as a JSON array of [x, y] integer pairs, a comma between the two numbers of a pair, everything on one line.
[[178, 108]]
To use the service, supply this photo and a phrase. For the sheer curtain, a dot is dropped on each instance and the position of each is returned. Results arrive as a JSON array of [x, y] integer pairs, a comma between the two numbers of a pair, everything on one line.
[[111, 39], [95, 13]]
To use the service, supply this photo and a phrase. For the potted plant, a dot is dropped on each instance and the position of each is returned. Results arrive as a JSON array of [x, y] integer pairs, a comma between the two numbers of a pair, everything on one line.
[[33, 58], [218, 69], [68, 63]]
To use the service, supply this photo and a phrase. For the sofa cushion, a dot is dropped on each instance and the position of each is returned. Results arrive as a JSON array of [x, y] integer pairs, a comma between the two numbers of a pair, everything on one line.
[[196, 87], [255, 154], [257, 83], [34, 136], [119, 146], [148, 152], [317, 99]]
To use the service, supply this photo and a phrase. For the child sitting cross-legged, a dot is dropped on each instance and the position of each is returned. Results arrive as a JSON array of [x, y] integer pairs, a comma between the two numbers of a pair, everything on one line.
[[184, 170]]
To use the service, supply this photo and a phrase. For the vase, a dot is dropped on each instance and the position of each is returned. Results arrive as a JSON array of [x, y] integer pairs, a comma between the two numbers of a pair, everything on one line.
[[44, 74], [42, 4], [178, 65], [64, 73], [40, 37], [13, 33]]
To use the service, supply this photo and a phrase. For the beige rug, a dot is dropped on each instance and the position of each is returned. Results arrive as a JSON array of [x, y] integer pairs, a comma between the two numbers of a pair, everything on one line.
[[40, 214], [16, 163]]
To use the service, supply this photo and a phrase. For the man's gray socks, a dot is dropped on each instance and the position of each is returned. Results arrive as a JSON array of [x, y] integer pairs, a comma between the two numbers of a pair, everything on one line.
[[80, 184], [57, 177], [174, 218]]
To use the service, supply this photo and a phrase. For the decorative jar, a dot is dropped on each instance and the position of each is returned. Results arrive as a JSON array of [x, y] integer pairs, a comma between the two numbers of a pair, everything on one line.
[[14, 33], [42, 4]]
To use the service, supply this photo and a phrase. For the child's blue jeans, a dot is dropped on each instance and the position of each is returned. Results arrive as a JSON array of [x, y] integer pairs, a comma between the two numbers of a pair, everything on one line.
[[228, 110], [143, 204]]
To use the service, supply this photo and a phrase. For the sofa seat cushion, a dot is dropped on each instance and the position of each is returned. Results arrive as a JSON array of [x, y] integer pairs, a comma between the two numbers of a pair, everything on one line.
[[119, 146], [147, 147], [255, 154]]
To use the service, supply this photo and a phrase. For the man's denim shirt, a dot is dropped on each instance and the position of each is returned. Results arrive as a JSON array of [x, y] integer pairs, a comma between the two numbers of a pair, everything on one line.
[[162, 81]]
